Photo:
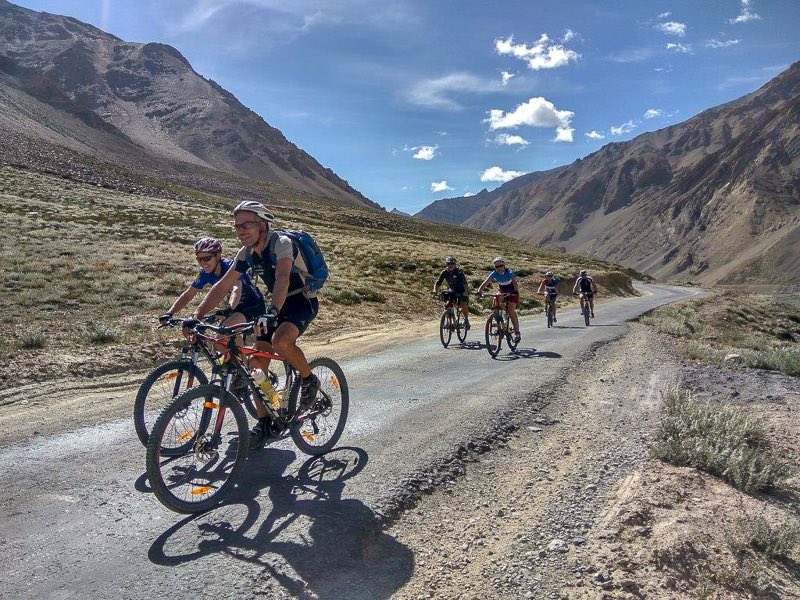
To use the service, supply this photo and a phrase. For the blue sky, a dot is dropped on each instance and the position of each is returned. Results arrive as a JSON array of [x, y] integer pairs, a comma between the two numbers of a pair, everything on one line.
[[412, 100]]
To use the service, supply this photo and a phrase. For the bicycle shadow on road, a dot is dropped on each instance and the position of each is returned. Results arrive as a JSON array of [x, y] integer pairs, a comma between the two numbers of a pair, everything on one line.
[[312, 544], [527, 353]]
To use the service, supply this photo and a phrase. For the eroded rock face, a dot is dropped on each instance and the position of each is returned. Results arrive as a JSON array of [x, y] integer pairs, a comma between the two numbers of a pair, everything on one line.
[[141, 95], [716, 197]]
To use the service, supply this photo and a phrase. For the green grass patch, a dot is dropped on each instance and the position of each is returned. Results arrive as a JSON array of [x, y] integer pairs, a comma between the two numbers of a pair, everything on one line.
[[719, 440], [98, 333]]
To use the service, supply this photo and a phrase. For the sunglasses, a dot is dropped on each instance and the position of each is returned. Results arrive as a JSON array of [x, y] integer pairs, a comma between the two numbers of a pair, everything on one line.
[[500, 265], [206, 258], [450, 264], [244, 225]]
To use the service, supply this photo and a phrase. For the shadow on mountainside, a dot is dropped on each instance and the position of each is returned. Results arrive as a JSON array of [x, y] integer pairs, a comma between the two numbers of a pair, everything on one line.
[[312, 544]]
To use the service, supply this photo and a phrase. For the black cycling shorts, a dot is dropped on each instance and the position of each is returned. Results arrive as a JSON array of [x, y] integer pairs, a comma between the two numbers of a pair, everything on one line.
[[252, 311], [587, 294], [455, 297], [297, 310]]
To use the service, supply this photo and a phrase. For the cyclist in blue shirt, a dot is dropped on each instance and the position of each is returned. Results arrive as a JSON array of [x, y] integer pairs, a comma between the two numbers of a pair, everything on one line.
[[245, 301], [550, 285], [507, 280]]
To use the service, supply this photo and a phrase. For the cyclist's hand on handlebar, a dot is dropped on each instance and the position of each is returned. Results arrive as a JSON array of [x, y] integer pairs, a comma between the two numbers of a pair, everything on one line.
[[165, 319], [263, 323], [190, 323]]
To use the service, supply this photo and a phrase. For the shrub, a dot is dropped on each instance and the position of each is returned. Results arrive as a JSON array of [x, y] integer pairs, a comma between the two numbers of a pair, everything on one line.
[[370, 295], [757, 533], [32, 340], [345, 297], [98, 333], [721, 441]]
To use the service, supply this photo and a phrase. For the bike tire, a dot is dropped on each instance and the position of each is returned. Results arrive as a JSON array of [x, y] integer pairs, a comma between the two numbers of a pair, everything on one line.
[[176, 480], [328, 413], [510, 332], [494, 336], [586, 313], [159, 389], [461, 332], [549, 311], [445, 328]]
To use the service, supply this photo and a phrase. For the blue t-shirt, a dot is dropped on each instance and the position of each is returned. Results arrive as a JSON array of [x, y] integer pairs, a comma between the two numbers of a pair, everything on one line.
[[504, 280], [250, 293]]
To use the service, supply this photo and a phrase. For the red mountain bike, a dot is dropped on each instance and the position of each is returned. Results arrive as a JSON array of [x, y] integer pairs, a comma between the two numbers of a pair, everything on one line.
[[200, 441], [499, 325]]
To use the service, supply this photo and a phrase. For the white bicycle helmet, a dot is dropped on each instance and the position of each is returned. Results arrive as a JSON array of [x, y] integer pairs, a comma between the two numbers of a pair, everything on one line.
[[583, 272], [548, 274], [207, 244], [256, 208], [499, 259]]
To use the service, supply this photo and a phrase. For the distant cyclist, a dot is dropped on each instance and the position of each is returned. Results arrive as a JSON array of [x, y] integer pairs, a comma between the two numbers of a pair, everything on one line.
[[245, 302], [507, 280], [457, 283], [585, 285], [550, 286], [279, 262]]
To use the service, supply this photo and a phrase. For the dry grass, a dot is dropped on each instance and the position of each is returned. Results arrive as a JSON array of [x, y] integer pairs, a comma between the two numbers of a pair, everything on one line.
[[88, 265], [762, 330]]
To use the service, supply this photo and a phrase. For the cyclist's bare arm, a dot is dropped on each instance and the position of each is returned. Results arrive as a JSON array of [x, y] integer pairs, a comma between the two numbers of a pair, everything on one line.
[[482, 286], [183, 300], [236, 294], [282, 272], [575, 287], [218, 292], [515, 284]]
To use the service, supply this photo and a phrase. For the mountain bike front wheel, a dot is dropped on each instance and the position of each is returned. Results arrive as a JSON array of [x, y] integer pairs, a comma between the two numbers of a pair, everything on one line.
[[549, 311], [210, 427], [586, 312], [446, 327], [511, 335], [318, 430], [494, 335], [461, 326], [159, 389]]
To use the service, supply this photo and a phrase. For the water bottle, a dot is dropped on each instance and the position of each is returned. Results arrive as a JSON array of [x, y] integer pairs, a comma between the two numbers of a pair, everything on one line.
[[265, 384]]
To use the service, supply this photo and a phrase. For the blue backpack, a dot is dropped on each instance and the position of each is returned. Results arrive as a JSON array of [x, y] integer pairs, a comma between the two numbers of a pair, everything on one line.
[[315, 261]]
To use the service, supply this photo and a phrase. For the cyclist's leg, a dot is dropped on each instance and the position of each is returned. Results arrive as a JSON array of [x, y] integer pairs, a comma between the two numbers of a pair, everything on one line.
[[464, 306], [512, 313], [285, 343], [553, 298]]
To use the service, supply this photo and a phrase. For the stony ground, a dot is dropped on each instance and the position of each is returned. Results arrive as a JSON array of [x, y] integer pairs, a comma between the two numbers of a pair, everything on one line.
[[572, 505]]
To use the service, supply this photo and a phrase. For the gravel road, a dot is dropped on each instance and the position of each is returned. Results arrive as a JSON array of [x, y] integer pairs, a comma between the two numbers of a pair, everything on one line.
[[79, 521]]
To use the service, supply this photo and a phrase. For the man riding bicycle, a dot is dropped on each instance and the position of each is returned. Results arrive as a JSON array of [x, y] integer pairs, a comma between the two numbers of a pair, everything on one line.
[[550, 286], [507, 280], [457, 284], [279, 262], [245, 302], [587, 289]]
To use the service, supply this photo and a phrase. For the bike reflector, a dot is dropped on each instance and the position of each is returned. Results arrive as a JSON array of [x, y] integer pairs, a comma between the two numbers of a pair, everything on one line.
[[335, 381], [210, 405], [201, 490], [309, 436], [171, 375], [185, 436]]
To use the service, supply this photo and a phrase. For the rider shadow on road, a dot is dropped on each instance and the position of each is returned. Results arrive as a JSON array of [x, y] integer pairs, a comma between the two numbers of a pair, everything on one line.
[[313, 543], [528, 353]]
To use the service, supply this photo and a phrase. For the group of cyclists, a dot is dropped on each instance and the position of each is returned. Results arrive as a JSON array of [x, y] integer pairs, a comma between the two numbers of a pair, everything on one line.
[[506, 279], [277, 260]]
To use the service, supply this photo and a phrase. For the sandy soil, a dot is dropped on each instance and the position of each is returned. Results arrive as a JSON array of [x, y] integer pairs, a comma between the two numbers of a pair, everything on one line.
[[572, 506]]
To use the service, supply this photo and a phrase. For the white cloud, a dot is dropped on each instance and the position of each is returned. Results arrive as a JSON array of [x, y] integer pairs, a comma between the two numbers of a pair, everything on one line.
[[667, 69], [440, 186], [506, 77], [441, 133], [536, 112], [425, 152], [434, 93], [672, 28], [544, 54], [632, 55], [715, 43], [569, 35], [681, 48], [623, 129], [652, 113], [498, 174], [664, 15], [595, 135], [468, 194], [746, 14], [505, 139]]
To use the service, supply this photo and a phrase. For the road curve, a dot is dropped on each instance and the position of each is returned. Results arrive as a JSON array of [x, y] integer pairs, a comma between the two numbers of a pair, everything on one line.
[[78, 519]]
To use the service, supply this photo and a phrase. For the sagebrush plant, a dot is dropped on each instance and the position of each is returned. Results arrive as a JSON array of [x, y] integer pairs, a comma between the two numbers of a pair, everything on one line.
[[757, 533], [720, 440], [31, 340]]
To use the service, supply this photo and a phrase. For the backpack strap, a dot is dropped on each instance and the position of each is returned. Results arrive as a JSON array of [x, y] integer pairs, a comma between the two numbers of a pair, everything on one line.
[[270, 250]]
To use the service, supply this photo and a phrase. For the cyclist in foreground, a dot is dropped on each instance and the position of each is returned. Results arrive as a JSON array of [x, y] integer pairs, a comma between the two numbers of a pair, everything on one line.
[[457, 284], [245, 302], [507, 280], [279, 262], [550, 285], [586, 287]]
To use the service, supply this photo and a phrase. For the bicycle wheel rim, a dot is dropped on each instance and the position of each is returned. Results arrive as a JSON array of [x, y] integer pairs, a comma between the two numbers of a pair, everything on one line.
[[445, 331], [493, 336], [461, 332], [213, 438], [317, 431]]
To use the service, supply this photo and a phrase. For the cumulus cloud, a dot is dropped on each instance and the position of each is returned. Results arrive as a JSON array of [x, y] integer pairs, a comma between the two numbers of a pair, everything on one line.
[[506, 77], [536, 112], [543, 54], [440, 186], [680, 48], [499, 175], [672, 28], [569, 35], [652, 113], [505, 139], [595, 135], [746, 14], [715, 43], [425, 152], [664, 15], [435, 93], [623, 129]]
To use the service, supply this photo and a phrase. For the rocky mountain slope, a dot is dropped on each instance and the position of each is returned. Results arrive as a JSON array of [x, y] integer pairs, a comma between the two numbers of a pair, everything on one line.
[[459, 209], [68, 84], [714, 199]]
